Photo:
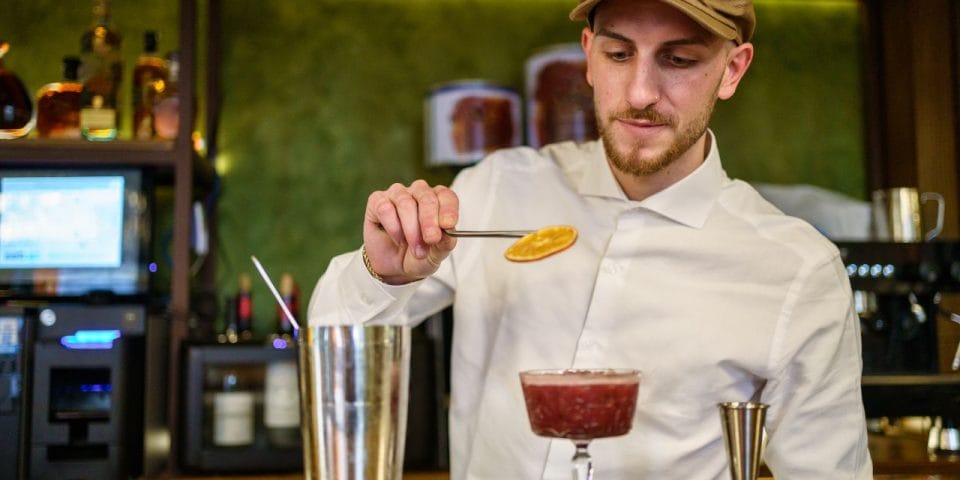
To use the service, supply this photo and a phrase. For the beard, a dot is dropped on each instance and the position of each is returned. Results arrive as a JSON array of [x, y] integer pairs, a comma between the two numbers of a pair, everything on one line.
[[628, 159]]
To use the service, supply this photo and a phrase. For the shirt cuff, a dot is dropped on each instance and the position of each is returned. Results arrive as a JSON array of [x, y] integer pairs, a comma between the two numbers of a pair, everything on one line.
[[365, 299]]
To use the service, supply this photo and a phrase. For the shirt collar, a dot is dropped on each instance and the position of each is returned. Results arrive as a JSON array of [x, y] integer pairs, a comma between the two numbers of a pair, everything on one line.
[[689, 201]]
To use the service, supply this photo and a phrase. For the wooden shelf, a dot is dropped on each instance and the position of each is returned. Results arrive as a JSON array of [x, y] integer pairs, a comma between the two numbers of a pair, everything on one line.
[[42, 152]]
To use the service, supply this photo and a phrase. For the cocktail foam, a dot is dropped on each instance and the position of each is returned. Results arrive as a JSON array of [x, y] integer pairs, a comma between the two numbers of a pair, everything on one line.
[[580, 377]]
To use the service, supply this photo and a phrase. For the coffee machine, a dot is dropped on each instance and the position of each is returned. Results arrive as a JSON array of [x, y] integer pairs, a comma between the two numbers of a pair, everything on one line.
[[87, 392], [897, 291]]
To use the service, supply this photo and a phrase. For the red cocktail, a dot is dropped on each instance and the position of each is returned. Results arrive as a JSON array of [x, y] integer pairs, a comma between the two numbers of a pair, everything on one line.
[[580, 405]]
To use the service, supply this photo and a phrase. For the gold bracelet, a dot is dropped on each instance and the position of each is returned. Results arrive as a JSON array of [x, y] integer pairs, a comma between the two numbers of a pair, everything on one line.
[[366, 263]]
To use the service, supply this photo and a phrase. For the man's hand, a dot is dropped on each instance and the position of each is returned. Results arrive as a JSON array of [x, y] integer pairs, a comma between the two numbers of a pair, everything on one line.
[[403, 230]]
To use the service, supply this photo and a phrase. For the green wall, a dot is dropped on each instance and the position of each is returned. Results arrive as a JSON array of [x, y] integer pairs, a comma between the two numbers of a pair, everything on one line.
[[798, 114], [323, 103]]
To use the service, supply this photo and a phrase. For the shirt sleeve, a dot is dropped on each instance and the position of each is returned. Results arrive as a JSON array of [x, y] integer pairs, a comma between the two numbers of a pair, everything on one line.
[[816, 424], [347, 294]]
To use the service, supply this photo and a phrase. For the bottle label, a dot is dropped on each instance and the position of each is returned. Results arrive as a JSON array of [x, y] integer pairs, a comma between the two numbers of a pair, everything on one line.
[[244, 307], [98, 119], [233, 418], [282, 395]]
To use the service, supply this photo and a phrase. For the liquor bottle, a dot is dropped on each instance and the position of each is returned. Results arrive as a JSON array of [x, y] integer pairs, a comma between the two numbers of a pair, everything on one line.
[[233, 412], [244, 305], [167, 110], [16, 108], [101, 74], [149, 83], [58, 104]]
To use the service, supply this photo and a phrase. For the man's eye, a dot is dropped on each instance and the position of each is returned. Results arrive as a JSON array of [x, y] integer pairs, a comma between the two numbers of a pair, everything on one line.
[[678, 61], [618, 56]]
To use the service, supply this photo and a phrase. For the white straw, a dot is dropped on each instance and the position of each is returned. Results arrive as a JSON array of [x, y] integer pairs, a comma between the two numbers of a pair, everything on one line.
[[276, 294]]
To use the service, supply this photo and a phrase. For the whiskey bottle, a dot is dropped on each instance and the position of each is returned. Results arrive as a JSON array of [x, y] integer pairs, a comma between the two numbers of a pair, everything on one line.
[[149, 83], [58, 104], [101, 74], [16, 108]]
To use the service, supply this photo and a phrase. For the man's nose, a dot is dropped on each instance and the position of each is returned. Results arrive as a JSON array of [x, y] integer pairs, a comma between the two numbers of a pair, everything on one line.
[[644, 86]]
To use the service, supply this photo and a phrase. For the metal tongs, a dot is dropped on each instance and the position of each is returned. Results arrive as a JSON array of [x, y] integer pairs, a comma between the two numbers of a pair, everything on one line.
[[487, 233]]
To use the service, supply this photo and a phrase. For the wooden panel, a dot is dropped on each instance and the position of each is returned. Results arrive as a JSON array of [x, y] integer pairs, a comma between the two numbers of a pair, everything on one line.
[[912, 80], [898, 153], [935, 114]]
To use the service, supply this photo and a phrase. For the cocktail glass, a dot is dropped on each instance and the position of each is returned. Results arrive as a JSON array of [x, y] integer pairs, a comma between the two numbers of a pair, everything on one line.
[[581, 405]]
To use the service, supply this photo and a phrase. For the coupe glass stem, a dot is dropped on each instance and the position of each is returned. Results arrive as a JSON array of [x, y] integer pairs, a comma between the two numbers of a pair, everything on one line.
[[582, 465]]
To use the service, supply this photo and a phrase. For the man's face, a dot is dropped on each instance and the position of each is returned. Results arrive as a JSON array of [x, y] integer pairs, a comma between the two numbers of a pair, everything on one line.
[[656, 76]]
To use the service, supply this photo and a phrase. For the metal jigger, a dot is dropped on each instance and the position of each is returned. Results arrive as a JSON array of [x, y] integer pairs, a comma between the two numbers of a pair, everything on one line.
[[743, 435]]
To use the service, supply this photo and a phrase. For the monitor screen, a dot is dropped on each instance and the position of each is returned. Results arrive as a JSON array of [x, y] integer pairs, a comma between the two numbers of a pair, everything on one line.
[[71, 232]]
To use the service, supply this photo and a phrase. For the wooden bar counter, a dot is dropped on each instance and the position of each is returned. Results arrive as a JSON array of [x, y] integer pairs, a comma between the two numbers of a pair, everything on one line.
[[895, 457], [445, 476]]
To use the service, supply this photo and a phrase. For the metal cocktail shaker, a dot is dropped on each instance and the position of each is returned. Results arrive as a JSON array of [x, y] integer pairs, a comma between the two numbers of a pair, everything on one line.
[[743, 435], [353, 400]]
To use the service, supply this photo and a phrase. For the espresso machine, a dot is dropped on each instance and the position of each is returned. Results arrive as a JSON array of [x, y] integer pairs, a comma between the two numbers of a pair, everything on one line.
[[897, 288]]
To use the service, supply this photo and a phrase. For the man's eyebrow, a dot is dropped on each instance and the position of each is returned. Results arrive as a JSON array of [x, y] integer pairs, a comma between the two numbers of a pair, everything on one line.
[[605, 32], [692, 40]]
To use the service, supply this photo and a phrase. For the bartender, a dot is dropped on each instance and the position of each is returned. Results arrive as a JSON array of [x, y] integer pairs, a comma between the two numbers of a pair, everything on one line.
[[679, 271]]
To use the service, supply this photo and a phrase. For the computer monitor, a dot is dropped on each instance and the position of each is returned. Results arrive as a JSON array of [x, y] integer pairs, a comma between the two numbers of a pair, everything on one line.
[[76, 232]]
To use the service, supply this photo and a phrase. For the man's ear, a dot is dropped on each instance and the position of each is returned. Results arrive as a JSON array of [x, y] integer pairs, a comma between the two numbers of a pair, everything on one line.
[[586, 38], [738, 61]]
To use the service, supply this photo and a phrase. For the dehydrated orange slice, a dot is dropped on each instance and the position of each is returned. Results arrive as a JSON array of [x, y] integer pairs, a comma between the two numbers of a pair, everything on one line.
[[542, 243]]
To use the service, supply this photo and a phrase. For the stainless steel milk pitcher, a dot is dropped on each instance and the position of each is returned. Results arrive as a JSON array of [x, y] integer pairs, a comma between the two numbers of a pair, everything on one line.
[[353, 401], [898, 216]]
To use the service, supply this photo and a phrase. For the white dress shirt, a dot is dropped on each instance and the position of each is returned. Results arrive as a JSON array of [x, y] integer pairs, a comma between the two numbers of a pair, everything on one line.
[[705, 287]]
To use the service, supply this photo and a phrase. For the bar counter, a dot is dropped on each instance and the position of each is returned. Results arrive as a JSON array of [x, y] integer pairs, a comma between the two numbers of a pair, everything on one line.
[[445, 476], [895, 457]]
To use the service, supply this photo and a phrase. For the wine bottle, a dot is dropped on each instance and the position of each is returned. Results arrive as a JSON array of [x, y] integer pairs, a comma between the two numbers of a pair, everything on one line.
[[149, 83], [281, 404], [281, 416], [229, 334], [58, 104], [244, 302], [233, 412], [101, 74], [282, 336]]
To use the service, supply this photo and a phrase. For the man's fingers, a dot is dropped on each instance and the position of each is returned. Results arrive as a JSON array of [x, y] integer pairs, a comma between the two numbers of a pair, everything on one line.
[[382, 214], [408, 211], [449, 207], [415, 216], [429, 207]]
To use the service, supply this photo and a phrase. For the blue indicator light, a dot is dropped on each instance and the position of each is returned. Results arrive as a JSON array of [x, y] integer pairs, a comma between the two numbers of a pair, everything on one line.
[[95, 388], [90, 339]]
